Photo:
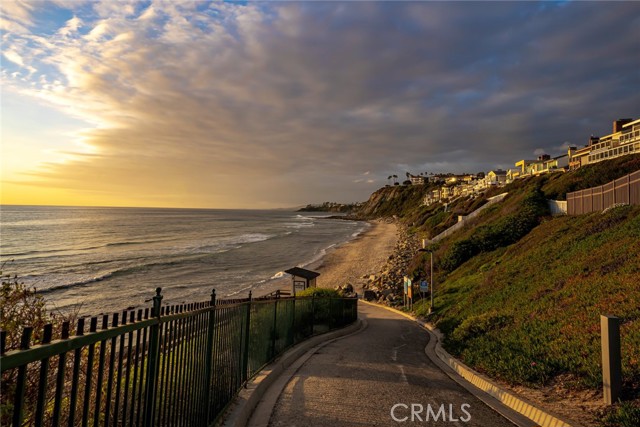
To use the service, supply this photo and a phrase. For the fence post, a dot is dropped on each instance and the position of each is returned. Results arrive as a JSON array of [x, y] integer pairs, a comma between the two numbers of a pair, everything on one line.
[[247, 331], [209, 360], [18, 410], [275, 329], [313, 311], [330, 313], [293, 322], [153, 365], [611, 358]]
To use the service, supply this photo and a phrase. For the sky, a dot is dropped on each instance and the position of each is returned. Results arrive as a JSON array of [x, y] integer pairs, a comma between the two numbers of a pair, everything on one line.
[[279, 104]]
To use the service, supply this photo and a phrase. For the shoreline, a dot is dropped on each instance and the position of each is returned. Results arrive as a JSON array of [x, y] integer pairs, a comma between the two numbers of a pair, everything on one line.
[[353, 261]]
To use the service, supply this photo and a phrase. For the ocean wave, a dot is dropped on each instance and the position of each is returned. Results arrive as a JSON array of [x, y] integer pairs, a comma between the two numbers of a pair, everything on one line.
[[278, 275], [77, 284], [111, 274], [81, 249], [298, 225], [306, 218], [226, 244]]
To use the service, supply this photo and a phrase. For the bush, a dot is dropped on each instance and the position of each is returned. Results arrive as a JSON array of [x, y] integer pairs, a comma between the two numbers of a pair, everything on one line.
[[500, 233], [319, 293], [624, 415], [20, 306]]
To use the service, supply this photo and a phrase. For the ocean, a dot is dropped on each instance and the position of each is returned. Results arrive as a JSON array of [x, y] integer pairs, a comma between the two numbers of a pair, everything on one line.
[[94, 260]]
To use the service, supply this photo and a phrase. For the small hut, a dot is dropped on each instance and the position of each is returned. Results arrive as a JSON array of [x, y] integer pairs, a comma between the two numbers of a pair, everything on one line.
[[302, 279]]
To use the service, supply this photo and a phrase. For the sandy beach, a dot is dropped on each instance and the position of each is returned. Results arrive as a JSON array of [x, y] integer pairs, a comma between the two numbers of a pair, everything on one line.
[[349, 262], [360, 257]]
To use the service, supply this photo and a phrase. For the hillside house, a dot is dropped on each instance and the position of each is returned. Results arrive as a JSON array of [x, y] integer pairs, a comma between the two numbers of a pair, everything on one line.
[[496, 177], [579, 157], [431, 197], [416, 179], [624, 140], [523, 166]]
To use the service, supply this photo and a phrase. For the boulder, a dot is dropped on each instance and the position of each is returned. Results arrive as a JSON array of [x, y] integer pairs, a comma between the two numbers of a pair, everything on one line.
[[369, 295]]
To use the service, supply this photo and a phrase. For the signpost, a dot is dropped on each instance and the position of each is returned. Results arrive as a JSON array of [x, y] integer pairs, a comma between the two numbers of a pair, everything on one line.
[[424, 288], [431, 308]]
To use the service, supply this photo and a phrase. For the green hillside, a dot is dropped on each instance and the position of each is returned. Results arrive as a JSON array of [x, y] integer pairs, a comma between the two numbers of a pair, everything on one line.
[[519, 293]]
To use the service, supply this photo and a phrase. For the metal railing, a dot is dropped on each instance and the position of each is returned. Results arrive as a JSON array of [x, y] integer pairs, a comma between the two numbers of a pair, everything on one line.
[[177, 365]]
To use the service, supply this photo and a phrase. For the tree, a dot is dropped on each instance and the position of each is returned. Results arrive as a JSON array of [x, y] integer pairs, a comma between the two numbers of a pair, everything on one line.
[[394, 179]]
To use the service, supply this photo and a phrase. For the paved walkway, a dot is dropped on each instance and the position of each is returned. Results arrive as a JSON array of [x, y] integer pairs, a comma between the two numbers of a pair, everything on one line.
[[356, 381]]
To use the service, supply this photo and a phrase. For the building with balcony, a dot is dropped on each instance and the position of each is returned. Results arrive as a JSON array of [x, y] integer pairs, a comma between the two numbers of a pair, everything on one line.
[[625, 139]]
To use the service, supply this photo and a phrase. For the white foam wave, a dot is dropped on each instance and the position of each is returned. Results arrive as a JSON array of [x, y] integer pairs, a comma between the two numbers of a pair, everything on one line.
[[278, 275]]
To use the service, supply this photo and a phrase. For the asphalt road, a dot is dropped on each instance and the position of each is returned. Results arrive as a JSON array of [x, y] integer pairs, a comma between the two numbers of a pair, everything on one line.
[[374, 376]]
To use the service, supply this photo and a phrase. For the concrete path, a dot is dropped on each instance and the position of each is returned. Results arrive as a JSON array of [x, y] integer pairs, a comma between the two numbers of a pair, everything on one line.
[[356, 381]]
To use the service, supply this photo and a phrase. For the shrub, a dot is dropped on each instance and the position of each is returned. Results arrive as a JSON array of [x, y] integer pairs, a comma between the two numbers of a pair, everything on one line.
[[625, 415], [319, 293], [501, 232], [20, 306]]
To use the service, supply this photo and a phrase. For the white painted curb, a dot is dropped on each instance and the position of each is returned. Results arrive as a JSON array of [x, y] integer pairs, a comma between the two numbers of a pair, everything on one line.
[[540, 417]]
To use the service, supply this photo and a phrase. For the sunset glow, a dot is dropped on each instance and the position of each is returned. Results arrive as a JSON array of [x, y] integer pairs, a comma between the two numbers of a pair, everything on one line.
[[262, 105]]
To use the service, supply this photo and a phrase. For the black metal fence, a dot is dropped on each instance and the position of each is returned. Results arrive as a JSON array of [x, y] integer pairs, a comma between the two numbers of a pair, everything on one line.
[[625, 190], [177, 365]]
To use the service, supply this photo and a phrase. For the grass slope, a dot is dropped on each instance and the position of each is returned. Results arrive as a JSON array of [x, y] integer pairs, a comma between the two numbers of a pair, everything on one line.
[[519, 294], [530, 311]]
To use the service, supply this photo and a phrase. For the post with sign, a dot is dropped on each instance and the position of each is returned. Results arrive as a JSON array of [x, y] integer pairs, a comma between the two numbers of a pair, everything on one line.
[[431, 308], [432, 285], [406, 290], [410, 293], [424, 288]]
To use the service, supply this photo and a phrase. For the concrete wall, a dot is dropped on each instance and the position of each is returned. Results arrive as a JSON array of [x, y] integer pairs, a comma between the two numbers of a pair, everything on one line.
[[461, 222], [557, 207]]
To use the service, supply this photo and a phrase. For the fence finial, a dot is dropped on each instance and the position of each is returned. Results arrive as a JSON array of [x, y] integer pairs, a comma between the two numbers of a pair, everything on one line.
[[157, 301], [250, 297], [213, 296]]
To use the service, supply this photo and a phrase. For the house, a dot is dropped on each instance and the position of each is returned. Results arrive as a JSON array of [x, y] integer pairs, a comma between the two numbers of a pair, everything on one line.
[[523, 166], [446, 192], [624, 140], [496, 177], [579, 157], [431, 197], [416, 179], [513, 174], [557, 164]]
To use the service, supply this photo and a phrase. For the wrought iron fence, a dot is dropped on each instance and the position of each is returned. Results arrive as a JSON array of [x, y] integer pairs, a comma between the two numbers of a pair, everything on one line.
[[177, 365]]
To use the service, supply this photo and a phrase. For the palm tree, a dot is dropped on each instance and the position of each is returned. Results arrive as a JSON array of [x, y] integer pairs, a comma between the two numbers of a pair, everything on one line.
[[389, 179]]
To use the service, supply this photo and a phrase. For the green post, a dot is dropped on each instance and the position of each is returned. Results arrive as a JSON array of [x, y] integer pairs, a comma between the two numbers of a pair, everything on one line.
[[247, 331], [18, 408], [153, 365], [313, 311], [292, 340], [330, 313], [274, 331], [209, 360]]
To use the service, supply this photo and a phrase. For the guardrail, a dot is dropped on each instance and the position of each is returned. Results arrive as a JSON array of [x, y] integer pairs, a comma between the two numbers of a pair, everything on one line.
[[165, 366]]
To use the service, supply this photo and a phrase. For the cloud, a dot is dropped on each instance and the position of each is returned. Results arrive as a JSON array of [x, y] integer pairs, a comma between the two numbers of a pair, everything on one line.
[[283, 103]]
